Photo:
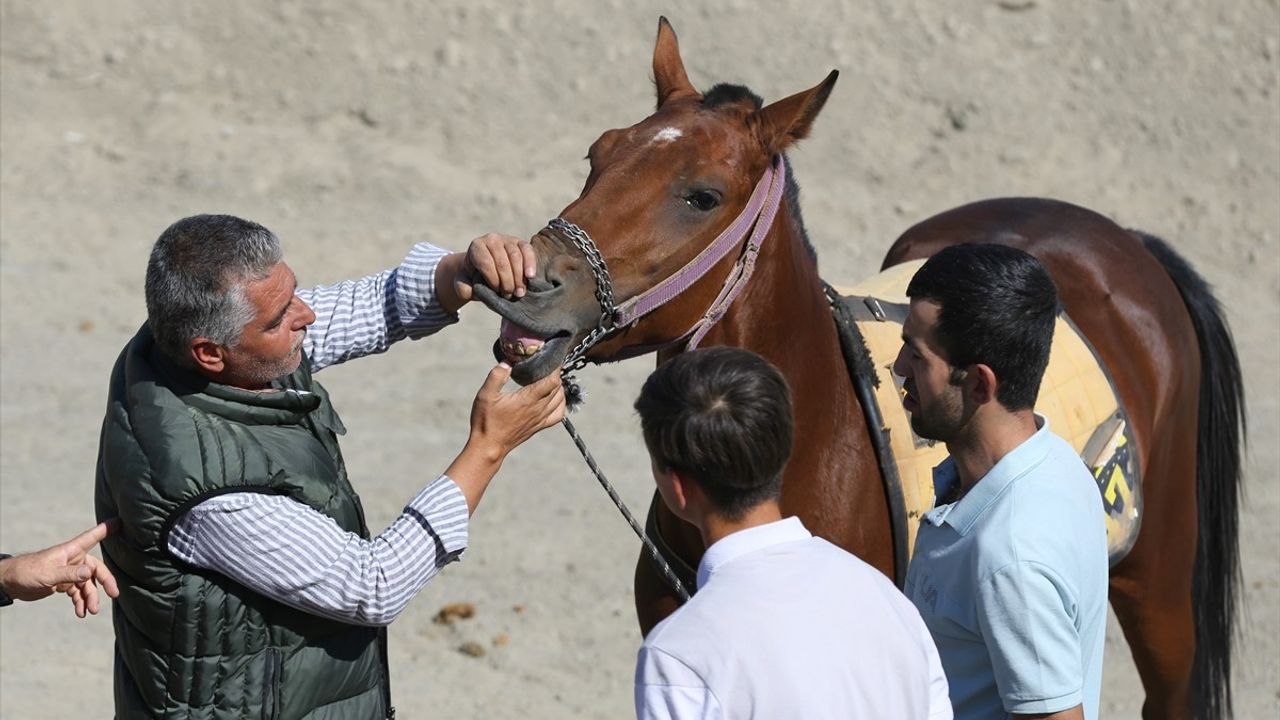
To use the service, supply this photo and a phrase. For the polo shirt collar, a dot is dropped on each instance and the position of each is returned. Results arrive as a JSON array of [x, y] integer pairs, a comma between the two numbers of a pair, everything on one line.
[[735, 545], [964, 513]]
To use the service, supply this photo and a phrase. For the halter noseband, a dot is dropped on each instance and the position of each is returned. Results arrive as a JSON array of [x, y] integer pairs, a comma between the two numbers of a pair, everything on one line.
[[756, 219]]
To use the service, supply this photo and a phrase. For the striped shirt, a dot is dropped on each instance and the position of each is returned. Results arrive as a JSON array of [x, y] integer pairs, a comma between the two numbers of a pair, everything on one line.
[[287, 551]]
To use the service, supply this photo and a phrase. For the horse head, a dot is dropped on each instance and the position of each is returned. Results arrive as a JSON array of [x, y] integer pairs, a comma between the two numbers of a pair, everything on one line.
[[658, 193]]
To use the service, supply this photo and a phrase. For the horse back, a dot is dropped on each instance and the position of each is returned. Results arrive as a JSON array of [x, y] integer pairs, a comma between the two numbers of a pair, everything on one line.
[[1114, 290]]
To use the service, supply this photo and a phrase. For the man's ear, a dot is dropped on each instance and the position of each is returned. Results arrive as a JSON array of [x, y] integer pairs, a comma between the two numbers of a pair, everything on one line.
[[983, 383], [209, 356], [679, 490]]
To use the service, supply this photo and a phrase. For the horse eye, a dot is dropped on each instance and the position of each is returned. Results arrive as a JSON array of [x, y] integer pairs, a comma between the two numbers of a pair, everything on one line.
[[702, 200]]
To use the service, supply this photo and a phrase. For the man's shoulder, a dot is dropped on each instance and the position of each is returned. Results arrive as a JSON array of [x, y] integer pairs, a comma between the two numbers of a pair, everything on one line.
[[1059, 494], [1055, 489], [141, 397], [1051, 519], [737, 594], [1034, 528], [684, 631], [840, 560], [874, 591], [712, 617], [1061, 457], [144, 376]]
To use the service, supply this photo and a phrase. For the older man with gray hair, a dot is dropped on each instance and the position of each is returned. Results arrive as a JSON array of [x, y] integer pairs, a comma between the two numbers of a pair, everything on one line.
[[249, 583]]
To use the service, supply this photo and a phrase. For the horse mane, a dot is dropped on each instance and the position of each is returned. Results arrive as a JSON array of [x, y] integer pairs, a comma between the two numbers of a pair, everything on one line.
[[723, 94], [730, 94]]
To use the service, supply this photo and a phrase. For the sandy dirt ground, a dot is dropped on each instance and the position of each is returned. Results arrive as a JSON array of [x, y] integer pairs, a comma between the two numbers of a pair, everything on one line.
[[355, 129]]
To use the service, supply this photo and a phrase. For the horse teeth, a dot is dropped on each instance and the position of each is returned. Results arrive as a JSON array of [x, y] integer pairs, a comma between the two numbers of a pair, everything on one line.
[[520, 349]]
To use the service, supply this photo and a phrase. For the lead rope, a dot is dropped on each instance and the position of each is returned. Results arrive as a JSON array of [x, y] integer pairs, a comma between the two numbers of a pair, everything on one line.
[[576, 360], [658, 560]]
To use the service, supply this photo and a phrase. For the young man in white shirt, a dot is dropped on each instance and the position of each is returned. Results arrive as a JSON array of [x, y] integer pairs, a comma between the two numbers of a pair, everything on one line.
[[783, 624]]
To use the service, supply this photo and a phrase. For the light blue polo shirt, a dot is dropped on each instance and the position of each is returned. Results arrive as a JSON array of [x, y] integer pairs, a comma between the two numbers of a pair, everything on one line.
[[1011, 581]]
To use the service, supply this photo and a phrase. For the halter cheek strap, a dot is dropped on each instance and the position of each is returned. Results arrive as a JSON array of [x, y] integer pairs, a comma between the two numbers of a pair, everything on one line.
[[746, 264], [755, 219]]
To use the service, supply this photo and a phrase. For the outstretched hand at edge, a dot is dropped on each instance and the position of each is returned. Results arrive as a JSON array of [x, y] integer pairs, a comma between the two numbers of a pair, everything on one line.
[[67, 567]]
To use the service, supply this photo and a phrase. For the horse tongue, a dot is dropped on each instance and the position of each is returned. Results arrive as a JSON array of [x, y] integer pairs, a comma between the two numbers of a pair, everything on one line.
[[512, 332]]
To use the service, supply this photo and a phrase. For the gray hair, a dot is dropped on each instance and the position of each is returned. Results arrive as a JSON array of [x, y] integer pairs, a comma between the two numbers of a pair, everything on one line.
[[196, 280]]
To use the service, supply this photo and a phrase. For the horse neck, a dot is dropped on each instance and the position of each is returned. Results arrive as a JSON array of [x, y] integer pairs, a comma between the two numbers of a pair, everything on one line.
[[832, 480], [783, 313]]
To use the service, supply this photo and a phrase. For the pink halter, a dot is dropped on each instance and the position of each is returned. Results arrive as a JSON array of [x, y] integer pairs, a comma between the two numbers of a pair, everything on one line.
[[756, 218]]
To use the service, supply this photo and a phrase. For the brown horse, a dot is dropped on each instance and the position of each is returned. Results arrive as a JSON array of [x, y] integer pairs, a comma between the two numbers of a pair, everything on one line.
[[655, 207]]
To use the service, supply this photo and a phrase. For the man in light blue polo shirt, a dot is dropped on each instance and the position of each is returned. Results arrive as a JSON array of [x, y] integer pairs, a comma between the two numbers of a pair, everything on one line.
[[1010, 567]]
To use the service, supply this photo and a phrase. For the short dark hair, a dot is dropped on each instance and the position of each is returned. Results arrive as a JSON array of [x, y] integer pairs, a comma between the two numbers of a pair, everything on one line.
[[997, 307], [196, 277], [721, 416]]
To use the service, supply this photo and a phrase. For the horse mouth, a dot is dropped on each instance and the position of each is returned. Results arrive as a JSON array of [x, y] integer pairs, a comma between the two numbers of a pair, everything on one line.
[[532, 349], [531, 355]]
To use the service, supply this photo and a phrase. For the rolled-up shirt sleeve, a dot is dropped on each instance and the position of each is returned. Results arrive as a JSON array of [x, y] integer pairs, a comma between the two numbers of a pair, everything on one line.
[[287, 551], [362, 317]]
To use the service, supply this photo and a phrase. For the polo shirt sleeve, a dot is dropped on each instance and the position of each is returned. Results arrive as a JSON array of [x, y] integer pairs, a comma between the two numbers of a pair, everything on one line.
[[668, 689], [1027, 614]]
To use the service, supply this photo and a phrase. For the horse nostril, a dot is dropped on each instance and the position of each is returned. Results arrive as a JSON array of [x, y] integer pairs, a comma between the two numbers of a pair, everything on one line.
[[554, 275]]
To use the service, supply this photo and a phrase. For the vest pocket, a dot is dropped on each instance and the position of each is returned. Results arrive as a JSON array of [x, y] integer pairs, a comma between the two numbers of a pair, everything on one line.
[[271, 683]]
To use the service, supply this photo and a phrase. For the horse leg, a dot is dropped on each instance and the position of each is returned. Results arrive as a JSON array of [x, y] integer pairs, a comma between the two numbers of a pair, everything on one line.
[[1151, 589]]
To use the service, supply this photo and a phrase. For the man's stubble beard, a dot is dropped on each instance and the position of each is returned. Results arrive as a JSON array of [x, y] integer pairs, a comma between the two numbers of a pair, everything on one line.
[[264, 372], [944, 420]]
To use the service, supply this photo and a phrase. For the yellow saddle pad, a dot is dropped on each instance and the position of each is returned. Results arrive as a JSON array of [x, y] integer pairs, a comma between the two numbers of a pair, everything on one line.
[[1076, 396]]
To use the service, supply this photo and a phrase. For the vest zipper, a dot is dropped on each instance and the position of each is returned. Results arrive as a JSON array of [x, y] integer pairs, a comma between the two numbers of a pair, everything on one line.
[[271, 684], [326, 436]]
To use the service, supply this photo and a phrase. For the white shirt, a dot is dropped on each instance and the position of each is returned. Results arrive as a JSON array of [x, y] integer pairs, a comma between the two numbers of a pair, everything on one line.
[[787, 625]]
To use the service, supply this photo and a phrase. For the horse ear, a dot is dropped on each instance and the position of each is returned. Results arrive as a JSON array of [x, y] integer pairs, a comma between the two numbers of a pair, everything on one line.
[[788, 120], [668, 68]]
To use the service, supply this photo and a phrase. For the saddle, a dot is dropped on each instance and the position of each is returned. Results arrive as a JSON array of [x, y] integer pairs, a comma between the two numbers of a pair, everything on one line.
[[1077, 395]]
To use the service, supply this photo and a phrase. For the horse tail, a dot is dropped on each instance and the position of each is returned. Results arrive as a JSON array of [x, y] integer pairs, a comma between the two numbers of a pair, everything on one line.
[[1216, 579]]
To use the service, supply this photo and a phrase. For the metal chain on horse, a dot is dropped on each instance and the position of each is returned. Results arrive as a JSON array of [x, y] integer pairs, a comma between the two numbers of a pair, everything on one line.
[[577, 357], [576, 360]]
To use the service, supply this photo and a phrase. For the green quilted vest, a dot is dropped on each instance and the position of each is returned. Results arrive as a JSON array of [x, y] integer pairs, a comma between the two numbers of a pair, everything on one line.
[[192, 643]]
